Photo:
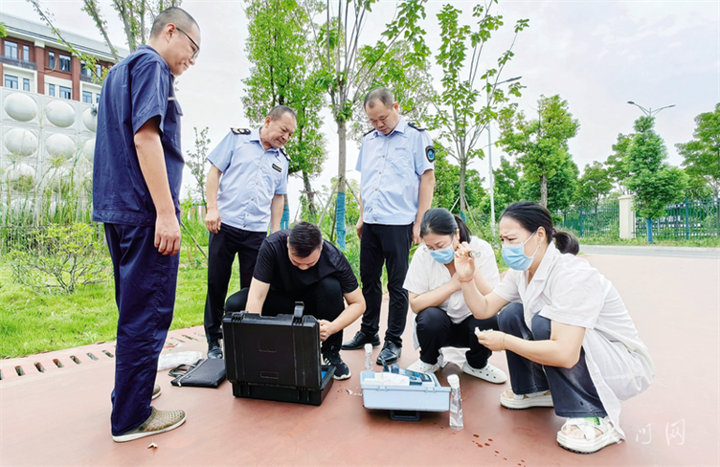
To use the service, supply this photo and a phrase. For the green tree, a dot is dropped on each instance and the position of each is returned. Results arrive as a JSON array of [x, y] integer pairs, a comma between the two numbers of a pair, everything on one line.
[[447, 190], [540, 145], [561, 187], [616, 164], [197, 163], [593, 186], [349, 68], [654, 182], [506, 187], [460, 113], [702, 154], [284, 73]]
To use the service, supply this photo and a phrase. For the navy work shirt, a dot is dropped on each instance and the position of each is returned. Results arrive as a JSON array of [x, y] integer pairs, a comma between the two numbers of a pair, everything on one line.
[[136, 90]]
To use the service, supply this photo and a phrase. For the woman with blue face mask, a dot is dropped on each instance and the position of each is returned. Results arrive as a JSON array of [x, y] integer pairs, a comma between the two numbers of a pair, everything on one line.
[[569, 340], [443, 319]]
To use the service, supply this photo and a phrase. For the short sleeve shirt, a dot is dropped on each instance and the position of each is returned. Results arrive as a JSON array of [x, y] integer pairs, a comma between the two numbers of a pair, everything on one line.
[[137, 89], [251, 177], [390, 167], [274, 267], [425, 275]]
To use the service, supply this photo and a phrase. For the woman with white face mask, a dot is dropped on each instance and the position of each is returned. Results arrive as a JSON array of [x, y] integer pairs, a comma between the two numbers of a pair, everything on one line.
[[443, 319], [571, 345]]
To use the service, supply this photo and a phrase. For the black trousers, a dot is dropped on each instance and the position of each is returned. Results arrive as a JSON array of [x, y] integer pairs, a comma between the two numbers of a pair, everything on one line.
[[323, 300], [224, 245], [389, 244], [435, 330], [573, 391]]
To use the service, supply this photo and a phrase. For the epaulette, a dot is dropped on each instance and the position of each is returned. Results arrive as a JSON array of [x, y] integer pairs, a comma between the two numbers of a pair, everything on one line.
[[367, 133], [417, 127], [240, 131], [284, 153]]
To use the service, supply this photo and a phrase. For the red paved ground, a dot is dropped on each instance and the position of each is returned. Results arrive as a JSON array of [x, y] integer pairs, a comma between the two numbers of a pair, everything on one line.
[[61, 417]]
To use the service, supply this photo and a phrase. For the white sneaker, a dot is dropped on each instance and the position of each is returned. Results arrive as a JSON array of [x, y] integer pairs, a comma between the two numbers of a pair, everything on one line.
[[422, 367], [489, 373], [599, 433]]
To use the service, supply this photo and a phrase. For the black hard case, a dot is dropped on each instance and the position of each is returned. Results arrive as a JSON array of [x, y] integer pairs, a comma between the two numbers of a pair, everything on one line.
[[276, 358]]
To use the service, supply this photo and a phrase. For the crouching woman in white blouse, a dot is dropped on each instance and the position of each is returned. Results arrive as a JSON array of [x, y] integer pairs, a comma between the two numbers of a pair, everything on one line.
[[571, 345], [442, 317]]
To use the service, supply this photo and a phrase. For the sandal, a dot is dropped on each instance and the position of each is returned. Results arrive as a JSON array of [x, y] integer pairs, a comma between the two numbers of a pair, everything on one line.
[[527, 401], [593, 442]]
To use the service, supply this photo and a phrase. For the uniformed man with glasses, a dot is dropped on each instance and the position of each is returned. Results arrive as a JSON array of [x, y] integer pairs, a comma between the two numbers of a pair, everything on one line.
[[396, 162]]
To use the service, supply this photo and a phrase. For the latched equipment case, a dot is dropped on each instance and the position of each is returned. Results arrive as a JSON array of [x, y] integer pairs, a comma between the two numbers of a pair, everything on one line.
[[276, 358]]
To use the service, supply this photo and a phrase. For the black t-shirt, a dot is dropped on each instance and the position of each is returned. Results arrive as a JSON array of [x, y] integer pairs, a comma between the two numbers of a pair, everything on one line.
[[274, 267]]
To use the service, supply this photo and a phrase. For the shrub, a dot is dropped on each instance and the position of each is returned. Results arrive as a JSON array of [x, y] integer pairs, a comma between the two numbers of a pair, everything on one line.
[[64, 258]]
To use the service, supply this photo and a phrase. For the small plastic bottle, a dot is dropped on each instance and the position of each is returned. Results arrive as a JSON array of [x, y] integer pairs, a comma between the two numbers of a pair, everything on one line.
[[456, 416], [368, 357]]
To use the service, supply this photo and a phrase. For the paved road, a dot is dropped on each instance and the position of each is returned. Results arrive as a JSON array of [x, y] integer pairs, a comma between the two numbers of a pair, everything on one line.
[[659, 251]]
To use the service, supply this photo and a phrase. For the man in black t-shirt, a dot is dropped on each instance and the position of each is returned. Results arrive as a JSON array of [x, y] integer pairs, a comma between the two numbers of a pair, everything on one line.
[[298, 265]]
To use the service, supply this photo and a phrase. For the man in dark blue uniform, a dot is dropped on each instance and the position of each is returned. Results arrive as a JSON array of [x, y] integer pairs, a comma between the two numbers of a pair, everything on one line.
[[136, 188]]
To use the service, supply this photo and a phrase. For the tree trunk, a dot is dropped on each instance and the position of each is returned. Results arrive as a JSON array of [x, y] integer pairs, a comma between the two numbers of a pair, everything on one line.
[[340, 206], [310, 196], [463, 199], [543, 191]]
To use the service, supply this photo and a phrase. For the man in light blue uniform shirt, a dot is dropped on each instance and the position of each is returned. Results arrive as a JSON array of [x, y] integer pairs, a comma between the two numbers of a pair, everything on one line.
[[396, 163], [245, 191]]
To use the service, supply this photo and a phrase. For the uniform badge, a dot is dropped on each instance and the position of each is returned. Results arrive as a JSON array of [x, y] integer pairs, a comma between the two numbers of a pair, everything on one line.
[[240, 131], [277, 168], [430, 153]]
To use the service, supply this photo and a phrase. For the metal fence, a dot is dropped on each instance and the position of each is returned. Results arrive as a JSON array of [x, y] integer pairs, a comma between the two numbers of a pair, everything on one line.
[[599, 221], [683, 221], [689, 219]]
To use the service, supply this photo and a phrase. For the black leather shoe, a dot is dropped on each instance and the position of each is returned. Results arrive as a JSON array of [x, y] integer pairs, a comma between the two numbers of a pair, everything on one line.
[[214, 350], [390, 353], [359, 341]]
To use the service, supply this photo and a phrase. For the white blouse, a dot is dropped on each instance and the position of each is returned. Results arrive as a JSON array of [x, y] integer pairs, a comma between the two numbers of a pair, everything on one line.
[[425, 274], [568, 290]]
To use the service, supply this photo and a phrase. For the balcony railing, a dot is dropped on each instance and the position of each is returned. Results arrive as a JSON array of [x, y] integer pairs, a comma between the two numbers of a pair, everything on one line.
[[19, 63]]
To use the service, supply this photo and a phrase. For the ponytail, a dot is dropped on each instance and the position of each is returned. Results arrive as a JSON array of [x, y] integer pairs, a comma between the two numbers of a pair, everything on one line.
[[566, 242]]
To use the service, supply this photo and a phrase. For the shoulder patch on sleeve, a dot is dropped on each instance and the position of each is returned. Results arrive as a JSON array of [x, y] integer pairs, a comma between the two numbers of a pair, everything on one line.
[[240, 131], [418, 128], [430, 153], [284, 153]]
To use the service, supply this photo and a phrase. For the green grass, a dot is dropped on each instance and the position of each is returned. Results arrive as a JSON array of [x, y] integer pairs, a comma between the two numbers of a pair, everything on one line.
[[31, 323]]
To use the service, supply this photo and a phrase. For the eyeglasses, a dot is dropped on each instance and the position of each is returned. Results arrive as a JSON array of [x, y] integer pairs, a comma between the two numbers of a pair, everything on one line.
[[197, 47]]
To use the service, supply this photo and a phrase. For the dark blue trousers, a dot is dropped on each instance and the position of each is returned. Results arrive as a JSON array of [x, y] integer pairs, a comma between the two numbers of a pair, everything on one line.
[[145, 283], [573, 392], [436, 330]]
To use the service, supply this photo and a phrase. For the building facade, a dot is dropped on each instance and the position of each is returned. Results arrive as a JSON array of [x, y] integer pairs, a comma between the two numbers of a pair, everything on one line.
[[47, 125]]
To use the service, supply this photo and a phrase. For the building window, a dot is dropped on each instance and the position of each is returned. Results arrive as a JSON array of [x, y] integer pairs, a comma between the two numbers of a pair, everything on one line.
[[87, 97], [98, 70], [64, 63], [26, 84], [11, 82], [51, 90], [26, 53], [65, 93], [51, 60], [84, 70], [97, 98], [11, 50]]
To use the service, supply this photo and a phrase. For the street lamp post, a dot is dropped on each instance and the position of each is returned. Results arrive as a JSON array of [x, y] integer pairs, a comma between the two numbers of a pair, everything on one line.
[[649, 113], [491, 176]]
